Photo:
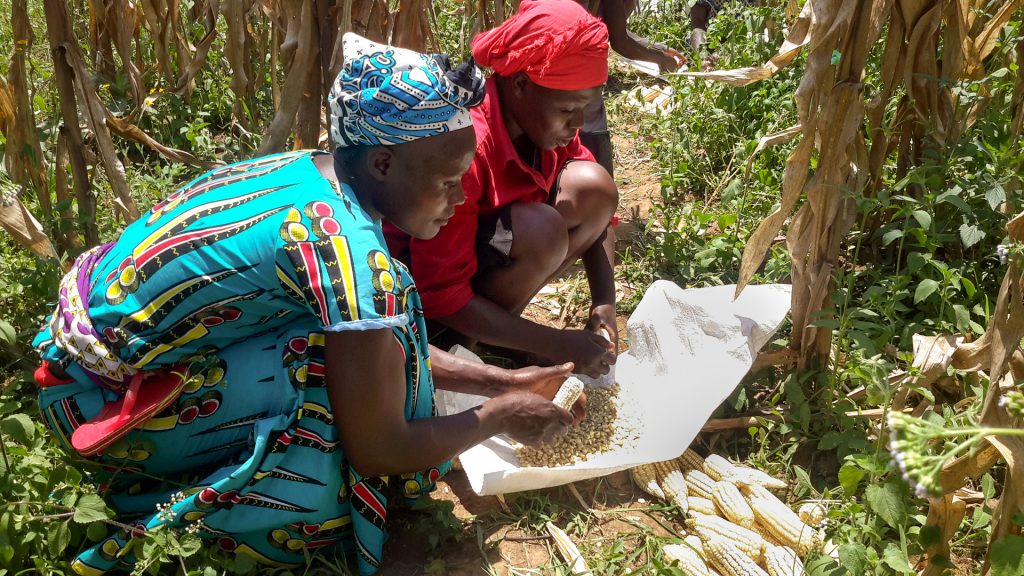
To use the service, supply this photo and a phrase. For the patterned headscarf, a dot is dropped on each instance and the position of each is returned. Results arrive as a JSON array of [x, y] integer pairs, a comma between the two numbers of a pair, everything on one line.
[[556, 43], [387, 95]]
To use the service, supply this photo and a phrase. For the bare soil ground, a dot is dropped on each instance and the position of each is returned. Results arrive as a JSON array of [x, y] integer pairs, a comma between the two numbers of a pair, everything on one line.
[[483, 537]]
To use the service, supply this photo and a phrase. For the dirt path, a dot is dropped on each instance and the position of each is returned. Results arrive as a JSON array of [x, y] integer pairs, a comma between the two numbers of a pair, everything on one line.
[[481, 536]]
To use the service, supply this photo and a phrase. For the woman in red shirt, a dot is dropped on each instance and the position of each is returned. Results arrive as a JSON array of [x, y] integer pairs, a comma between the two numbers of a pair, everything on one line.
[[535, 199]]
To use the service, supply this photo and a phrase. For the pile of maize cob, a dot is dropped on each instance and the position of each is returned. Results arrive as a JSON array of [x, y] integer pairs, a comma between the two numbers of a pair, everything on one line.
[[737, 526], [600, 431]]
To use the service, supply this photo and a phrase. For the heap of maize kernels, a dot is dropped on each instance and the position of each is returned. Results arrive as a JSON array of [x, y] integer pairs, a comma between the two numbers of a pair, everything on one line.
[[737, 526], [601, 431]]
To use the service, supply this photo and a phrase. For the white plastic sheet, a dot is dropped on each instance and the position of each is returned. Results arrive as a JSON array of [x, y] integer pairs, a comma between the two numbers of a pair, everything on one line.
[[688, 350]]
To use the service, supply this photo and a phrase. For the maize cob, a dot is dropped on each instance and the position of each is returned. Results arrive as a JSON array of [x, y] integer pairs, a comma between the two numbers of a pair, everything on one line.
[[730, 560], [672, 483], [645, 476], [700, 505], [759, 477], [768, 537], [699, 483], [734, 507], [690, 460], [812, 513], [717, 467], [782, 561], [693, 541], [712, 527], [568, 550], [690, 562], [780, 521], [569, 392]]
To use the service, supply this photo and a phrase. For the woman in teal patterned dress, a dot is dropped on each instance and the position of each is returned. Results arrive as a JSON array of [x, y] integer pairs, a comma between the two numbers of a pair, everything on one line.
[[267, 288]]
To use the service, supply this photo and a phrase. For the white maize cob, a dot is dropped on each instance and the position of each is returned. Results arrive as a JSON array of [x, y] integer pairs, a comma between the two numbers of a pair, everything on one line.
[[721, 469], [730, 501], [690, 460], [699, 483], [776, 518], [769, 538], [712, 527], [812, 513], [690, 562], [700, 505], [569, 551], [717, 467], [569, 392], [728, 559], [672, 483], [645, 476], [782, 561], [693, 541], [743, 473]]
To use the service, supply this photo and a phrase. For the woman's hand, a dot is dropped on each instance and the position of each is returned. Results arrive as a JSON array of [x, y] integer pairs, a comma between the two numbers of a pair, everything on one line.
[[603, 317], [546, 382], [589, 351], [669, 60], [531, 419]]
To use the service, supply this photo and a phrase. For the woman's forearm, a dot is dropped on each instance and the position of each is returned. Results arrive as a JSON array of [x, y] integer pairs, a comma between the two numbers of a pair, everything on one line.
[[460, 375]]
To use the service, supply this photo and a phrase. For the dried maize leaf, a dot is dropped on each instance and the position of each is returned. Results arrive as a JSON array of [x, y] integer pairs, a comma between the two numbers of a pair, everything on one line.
[[568, 550]]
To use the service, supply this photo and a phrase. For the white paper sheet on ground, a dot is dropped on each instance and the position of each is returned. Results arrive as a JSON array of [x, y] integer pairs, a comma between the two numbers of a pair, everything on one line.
[[688, 351]]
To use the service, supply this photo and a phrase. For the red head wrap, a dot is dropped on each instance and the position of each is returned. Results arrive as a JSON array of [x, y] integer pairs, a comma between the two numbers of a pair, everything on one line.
[[555, 42]]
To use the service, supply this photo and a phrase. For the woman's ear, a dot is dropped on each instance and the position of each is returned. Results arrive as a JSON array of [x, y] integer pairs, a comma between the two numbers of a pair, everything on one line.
[[379, 161], [520, 83]]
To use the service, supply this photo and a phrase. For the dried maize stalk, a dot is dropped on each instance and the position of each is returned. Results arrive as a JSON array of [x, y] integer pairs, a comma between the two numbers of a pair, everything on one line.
[[780, 521], [690, 562], [782, 561], [569, 392], [568, 550], [690, 460], [728, 559], [812, 513], [699, 483], [710, 528], [645, 476], [672, 483], [700, 505], [734, 507]]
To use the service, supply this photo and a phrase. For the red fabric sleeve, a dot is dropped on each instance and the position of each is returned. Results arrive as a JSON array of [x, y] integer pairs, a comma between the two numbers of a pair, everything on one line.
[[443, 266], [575, 150]]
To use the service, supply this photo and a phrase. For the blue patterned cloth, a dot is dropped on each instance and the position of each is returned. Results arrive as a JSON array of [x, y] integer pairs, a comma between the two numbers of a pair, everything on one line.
[[235, 278], [387, 95]]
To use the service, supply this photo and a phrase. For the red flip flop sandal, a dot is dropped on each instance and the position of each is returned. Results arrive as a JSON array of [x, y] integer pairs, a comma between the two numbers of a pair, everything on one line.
[[146, 397]]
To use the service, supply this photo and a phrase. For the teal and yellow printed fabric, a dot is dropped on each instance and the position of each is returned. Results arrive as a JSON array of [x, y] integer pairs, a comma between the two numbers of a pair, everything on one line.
[[235, 278]]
